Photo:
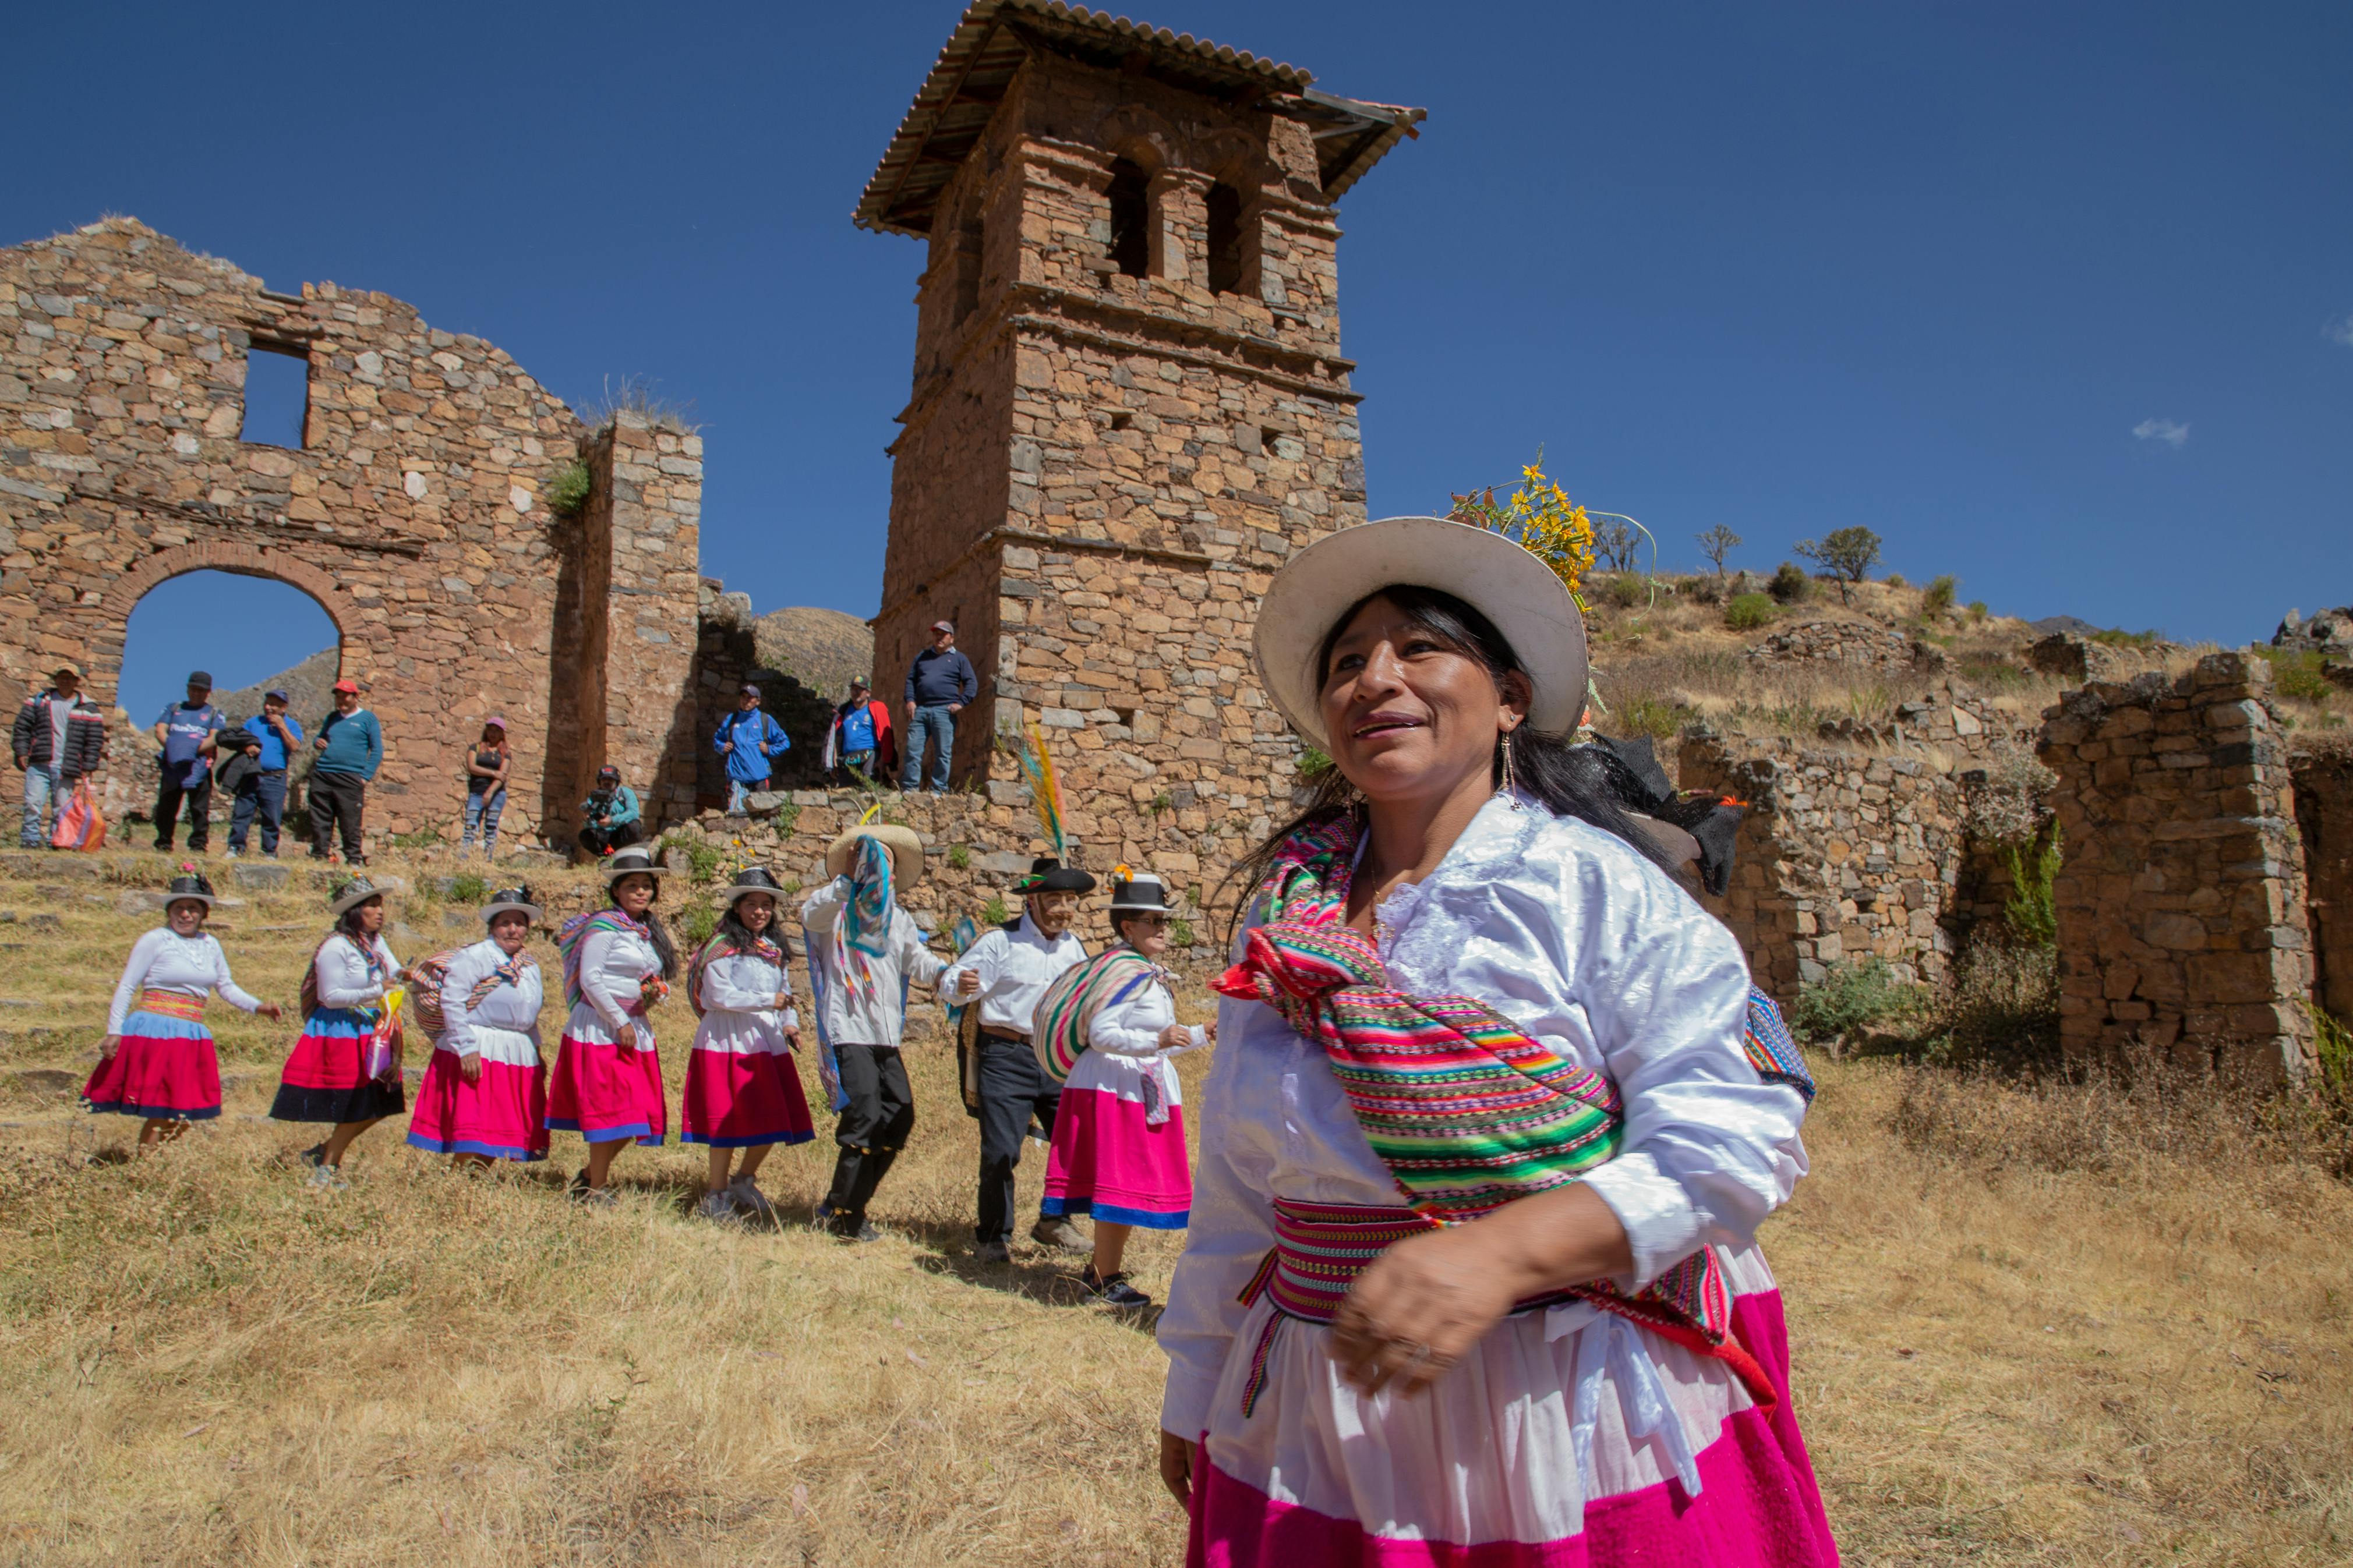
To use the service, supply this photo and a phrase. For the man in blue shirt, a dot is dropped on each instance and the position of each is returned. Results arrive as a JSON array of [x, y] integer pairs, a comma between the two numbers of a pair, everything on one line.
[[270, 740], [612, 814], [747, 738], [351, 748], [186, 732], [940, 684]]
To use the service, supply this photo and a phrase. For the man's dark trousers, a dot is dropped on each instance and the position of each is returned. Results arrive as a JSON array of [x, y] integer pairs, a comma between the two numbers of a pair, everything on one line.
[[1013, 1089], [337, 797], [200, 796], [261, 792], [598, 840], [873, 1127]]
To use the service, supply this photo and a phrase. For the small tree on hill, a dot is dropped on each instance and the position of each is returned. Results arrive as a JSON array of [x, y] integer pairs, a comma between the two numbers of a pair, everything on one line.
[[1848, 556], [1616, 542], [1716, 543]]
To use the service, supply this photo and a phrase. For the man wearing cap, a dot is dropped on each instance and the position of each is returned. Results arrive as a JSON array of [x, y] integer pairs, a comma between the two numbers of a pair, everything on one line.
[[270, 741], [189, 731], [1006, 971], [940, 683], [861, 739], [351, 748], [747, 738], [59, 738], [610, 817]]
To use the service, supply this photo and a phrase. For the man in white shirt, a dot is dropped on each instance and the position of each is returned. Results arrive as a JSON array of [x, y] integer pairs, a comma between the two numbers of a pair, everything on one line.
[[1005, 973]]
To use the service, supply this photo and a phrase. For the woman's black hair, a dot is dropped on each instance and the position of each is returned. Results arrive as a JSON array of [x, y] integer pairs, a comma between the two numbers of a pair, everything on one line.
[[1568, 779], [348, 922], [655, 932], [738, 936]]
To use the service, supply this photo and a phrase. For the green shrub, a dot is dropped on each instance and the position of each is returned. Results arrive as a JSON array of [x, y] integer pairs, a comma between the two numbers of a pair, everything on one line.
[[1180, 934], [1938, 597], [1625, 590], [696, 922], [2297, 673], [1977, 612], [2031, 913], [702, 859], [1791, 585], [2116, 636], [1311, 764], [1650, 716], [1852, 995], [992, 914], [423, 838], [1896, 580], [959, 858], [1748, 612], [468, 888], [567, 489]]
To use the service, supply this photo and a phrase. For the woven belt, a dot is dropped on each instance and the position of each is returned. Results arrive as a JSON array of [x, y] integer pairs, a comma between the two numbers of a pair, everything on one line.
[[173, 1004]]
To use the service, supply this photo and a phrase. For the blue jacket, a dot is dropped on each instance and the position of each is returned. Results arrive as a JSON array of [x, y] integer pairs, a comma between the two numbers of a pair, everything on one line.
[[273, 750], [937, 678], [354, 744], [747, 746]]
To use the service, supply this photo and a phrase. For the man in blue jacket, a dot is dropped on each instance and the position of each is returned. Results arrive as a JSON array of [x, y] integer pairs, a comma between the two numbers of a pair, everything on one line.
[[186, 731], [270, 740], [940, 685], [351, 748], [747, 738]]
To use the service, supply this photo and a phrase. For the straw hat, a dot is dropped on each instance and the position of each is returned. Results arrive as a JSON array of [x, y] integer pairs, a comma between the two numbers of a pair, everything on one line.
[[358, 891], [906, 849], [1505, 583], [518, 900]]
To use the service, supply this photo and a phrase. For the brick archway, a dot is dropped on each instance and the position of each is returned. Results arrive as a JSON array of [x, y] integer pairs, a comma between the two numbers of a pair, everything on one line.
[[115, 605]]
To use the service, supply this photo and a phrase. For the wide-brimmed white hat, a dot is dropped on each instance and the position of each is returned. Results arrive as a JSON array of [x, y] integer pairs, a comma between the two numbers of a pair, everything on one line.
[[906, 849], [1503, 581]]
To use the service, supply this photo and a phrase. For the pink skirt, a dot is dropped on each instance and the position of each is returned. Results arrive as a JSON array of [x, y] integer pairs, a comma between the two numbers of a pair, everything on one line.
[[164, 1069], [503, 1116], [1109, 1162], [735, 1100], [608, 1092]]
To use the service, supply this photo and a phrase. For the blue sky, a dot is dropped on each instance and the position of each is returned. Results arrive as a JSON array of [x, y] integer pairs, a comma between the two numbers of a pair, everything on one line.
[[2056, 297]]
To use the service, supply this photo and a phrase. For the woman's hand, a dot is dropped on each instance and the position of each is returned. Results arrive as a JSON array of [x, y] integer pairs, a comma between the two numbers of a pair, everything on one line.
[[793, 1036], [1178, 1459], [269, 1010], [107, 1047], [469, 1068], [1175, 1038]]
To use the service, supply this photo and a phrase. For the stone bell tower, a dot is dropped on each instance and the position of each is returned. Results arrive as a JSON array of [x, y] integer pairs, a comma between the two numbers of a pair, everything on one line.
[[1129, 403]]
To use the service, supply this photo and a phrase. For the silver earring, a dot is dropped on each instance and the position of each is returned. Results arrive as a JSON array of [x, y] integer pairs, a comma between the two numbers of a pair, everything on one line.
[[1511, 783]]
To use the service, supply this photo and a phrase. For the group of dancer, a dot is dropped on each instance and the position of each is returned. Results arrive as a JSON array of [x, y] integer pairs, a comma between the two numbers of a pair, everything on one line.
[[1471, 1274]]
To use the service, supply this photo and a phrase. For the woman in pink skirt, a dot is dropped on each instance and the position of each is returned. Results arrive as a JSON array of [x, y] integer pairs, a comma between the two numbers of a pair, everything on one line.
[[617, 964], [346, 1068], [741, 1088], [484, 1097], [1119, 1130], [158, 1060]]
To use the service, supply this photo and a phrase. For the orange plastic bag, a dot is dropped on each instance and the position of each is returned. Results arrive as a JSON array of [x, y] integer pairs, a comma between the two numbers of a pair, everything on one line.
[[81, 824]]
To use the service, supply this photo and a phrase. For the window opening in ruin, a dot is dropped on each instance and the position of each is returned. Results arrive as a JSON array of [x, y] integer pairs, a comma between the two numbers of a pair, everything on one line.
[[1130, 220], [1123, 421], [1225, 239], [276, 394], [1266, 439]]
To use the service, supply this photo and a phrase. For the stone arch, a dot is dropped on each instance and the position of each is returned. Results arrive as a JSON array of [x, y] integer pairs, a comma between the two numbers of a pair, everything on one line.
[[244, 560]]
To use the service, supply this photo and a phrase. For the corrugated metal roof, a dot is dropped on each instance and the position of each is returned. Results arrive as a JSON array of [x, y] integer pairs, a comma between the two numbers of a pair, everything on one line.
[[993, 36]]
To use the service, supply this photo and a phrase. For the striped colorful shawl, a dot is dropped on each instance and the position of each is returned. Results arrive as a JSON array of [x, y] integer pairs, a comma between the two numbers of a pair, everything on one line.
[[721, 947], [1468, 1113], [1067, 1011], [574, 936]]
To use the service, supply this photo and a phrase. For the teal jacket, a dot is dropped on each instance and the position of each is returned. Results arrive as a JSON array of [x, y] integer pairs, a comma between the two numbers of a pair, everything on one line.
[[611, 810], [354, 744]]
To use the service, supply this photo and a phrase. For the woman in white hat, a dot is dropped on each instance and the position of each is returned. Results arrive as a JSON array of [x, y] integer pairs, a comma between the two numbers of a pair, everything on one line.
[[157, 1060], [345, 1068], [1472, 1270], [617, 964], [1105, 1032], [484, 1097], [741, 1088]]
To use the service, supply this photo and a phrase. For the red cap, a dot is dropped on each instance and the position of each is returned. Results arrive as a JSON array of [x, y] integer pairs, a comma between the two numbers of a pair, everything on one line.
[[351, 686]]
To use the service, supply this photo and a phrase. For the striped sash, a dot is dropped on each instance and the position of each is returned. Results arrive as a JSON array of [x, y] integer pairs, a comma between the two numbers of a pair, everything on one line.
[[173, 1004]]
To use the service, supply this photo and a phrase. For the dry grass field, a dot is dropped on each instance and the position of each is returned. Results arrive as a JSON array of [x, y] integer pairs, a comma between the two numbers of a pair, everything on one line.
[[2047, 1329]]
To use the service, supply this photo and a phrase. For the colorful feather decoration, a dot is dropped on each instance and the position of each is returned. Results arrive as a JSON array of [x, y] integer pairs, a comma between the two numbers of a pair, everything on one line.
[[1045, 793]]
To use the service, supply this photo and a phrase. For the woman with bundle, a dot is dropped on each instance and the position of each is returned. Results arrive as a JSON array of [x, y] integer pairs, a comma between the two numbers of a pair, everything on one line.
[[344, 1069], [484, 1097], [1105, 1032], [741, 1088], [1472, 1272], [617, 963], [158, 1060]]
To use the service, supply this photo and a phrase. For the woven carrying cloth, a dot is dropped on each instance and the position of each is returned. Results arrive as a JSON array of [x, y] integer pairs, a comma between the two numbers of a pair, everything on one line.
[[427, 976], [720, 947], [1467, 1112], [1065, 1013], [574, 936], [309, 994]]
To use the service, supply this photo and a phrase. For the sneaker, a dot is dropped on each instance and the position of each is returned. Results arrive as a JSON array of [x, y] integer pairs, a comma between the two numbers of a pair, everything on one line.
[[1113, 1290], [720, 1205], [232, 854], [1054, 1231], [314, 1155], [750, 1198], [993, 1252], [841, 1227], [327, 1179], [591, 1197]]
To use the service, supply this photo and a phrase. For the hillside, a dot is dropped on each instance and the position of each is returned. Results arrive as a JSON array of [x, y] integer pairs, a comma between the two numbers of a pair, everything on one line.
[[820, 649], [306, 685]]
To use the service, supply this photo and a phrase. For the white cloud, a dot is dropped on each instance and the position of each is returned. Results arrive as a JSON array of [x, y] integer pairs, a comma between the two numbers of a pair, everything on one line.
[[2172, 432], [2339, 331]]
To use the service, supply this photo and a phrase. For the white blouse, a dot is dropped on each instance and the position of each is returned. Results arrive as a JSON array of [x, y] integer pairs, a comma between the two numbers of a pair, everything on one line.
[[1123, 1049], [740, 1014], [505, 1027], [612, 964], [1585, 944], [1015, 968], [164, 960], [343, 973]]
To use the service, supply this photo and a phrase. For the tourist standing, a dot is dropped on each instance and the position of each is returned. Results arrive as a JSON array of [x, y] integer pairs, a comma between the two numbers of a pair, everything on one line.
[[748, 738], [861, 739], [344, 1069], [1105, 1032], [158, 1060], [864, 952], [741, 1088], [188, 733], [941, 683], [610, 815], [484, 1097], [617, 964], [58, 740], [351, 748], [1463, 946], [1007, 971], [271, 740], [488, 763]]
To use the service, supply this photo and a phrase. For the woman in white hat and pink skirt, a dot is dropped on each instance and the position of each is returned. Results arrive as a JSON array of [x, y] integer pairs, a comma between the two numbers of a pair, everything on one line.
[[484, 1097], [618, 965]]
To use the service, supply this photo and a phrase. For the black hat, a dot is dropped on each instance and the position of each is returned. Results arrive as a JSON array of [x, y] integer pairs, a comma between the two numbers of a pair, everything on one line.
[[189, 884], [198, 677], [516, 899], [750, 879], [1140, 892], [610, 771], [1048, 874]]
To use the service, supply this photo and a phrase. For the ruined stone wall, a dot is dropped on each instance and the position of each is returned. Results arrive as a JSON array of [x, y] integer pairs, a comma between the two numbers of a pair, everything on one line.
[[2182, 923], [2324, 818], [726, 656]]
